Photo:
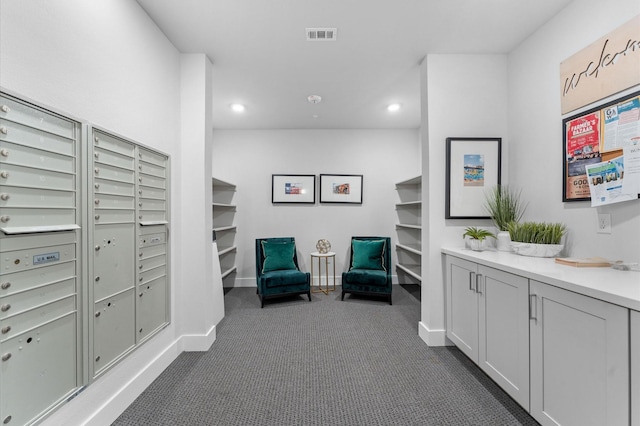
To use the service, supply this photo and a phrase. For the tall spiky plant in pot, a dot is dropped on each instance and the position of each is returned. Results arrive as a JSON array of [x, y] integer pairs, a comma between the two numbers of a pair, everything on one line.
[[504, 206]]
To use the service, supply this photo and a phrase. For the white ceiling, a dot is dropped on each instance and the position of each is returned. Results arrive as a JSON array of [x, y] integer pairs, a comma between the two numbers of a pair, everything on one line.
[[261, 57]]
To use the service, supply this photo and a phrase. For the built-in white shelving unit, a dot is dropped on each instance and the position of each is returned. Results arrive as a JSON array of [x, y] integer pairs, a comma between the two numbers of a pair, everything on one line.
[[224, 226], [409, 229]]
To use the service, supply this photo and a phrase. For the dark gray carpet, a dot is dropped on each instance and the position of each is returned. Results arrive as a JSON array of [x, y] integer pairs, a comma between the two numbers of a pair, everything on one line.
[[357, 362]]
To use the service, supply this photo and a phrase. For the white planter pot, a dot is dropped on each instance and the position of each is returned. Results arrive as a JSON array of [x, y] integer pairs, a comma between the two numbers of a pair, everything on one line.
[[503, 241], [537, 250], [476, 245]]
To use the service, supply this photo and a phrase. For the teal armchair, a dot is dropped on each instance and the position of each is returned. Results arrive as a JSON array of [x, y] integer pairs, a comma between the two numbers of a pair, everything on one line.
[[369, 267], [277, 270]]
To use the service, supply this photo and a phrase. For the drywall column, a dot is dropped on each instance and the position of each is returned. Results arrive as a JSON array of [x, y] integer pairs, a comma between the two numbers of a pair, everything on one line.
[[202, 303]]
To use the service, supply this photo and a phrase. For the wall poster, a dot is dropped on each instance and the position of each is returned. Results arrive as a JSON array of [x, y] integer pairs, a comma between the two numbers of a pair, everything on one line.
[[598, 136]]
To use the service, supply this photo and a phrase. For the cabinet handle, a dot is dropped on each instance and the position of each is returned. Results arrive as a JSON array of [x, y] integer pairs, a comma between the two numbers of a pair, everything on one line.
[[479, 283], [533, 307], [472, 278]]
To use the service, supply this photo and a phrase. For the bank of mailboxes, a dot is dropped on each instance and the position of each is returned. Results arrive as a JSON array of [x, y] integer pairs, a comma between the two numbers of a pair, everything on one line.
[[77, 251]]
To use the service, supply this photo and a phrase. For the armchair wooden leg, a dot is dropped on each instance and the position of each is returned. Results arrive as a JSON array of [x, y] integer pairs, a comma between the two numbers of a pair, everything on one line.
[[342, 297], [309, 295], [390, 300]]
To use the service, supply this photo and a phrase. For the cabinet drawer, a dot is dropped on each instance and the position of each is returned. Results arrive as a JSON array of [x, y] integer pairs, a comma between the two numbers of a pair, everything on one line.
[[41, 370], [17, 196], [151, 169], [35, 277], [38, 139], [33, 318], [151, 204], [112, 143], [101, 186], [145, 265], [20, 260], [36, 178], [113, 329], [106, 171], [101, 156], [149, 192], [24, 217], [152, 307], [19, 302], [108, 201], [36, 118], [152, 157], [104, 216], [152, 181], [33, 157]]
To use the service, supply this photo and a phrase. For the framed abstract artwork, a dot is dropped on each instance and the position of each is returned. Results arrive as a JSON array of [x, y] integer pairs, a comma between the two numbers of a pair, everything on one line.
[[293, 189], [341, 189]]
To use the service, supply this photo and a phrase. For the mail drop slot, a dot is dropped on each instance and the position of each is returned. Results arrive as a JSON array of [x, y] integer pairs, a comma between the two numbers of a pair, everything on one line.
[[150, 192], [34, 217], [36, 277], [102, 156], [151, 169], [152, 307], [42, 370], [23, 155], [20, 260], [38, 139], [36, 178], [152, 181], [151, 204], [19, 302], [15, 196], [112, 143], [113, 328], [119, 174], [33, 318], [102, 186], [36, 118], [152, 157], [108, 201]]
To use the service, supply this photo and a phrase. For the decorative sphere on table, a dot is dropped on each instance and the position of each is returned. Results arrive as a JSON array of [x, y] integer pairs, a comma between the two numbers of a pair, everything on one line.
[[323, 246]]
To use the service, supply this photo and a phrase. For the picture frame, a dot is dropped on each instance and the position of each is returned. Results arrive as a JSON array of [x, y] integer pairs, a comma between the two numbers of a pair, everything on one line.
[[294, 189], [341, 188], [473, 166]]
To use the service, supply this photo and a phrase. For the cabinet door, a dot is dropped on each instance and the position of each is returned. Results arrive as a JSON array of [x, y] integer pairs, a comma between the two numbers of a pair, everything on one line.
[[462, 305], [504, 331], [579, 359], [635, 368]]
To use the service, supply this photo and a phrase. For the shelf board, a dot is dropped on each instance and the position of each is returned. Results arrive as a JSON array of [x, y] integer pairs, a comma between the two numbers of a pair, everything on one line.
[[413, 270], [219, 182], [229, 271], [227, 206], [405, 225], [225, 228], [412, 181], [227, 250], [417, 203], [413, 248]]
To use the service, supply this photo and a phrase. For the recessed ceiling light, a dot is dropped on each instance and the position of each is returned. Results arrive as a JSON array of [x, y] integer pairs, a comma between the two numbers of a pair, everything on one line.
[[237, 107], [314, 99], [393, 107]]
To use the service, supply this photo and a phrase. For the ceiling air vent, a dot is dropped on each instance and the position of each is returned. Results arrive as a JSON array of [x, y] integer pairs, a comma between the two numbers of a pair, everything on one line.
[[322, 34]]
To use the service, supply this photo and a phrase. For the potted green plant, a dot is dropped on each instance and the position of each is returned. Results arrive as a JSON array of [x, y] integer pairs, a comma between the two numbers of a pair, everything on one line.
[[538, 239], [476, 237], [504, 206]]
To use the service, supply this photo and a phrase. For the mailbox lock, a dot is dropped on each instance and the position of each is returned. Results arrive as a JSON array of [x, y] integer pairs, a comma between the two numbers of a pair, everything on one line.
[[4, 152], [4, 219], [8, 418], [6, 329], [5, 307], [3, 130], [97, 314], [96, 186], [140, 204], [4, 197], [97, 216], [96, 155], [96, 140], [97, 170], [6, 356], [96, 202], [97, 248], [140, 279], [5, 286], [5, 108], [97, 279], [140, 267], [140, 254], [141, 294], [4, 174]]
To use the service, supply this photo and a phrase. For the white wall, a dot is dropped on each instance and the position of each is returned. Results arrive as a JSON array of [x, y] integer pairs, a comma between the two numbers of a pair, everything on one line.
[[535, 129], [249, 158], [463, 96], [107, 63]]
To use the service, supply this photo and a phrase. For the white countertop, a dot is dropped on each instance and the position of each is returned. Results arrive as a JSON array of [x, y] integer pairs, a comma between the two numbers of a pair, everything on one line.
[[611, 285]]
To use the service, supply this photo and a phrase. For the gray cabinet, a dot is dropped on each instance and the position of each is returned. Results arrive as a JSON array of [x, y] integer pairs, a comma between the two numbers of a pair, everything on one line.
[[635, 368], [579, 359], [487, 318], [40, 289]]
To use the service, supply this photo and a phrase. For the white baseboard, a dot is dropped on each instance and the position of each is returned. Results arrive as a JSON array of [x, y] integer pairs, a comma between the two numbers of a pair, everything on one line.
[[433, 337], [197, 342]]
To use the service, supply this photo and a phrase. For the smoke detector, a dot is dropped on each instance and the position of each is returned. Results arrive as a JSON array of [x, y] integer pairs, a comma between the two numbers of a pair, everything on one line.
[[322, 34]]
